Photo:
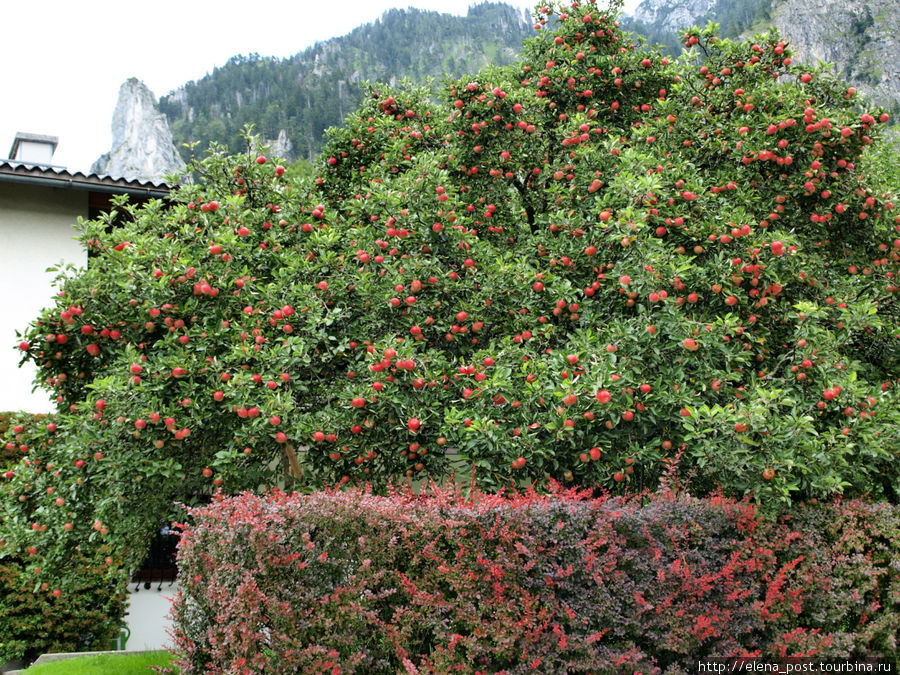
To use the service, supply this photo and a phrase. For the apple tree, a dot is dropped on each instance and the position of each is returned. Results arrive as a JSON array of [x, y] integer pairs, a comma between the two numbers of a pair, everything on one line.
[[597, 265]]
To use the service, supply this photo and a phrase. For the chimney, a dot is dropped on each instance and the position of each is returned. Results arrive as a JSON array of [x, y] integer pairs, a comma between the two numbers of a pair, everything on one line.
[[33, 148]]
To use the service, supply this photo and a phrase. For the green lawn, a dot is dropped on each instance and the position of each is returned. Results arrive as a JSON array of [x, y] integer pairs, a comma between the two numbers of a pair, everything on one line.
[[103, 664]]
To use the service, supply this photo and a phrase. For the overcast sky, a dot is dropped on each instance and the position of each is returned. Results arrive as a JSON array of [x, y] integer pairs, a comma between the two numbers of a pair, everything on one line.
[[64, 61]]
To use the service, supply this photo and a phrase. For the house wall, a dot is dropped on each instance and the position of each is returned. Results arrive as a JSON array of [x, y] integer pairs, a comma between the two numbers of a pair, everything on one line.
[[148, 615], [36, 232]]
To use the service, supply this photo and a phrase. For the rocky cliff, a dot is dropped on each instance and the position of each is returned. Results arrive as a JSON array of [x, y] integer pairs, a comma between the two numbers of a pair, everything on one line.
[[672, 16], [860, 37], [142, 145]]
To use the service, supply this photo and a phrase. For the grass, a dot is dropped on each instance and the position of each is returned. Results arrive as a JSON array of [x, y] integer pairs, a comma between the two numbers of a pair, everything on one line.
[[103, 664]]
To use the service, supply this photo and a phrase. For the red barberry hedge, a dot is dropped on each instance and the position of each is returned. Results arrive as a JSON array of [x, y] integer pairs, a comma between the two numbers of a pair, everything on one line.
[[353, 582]]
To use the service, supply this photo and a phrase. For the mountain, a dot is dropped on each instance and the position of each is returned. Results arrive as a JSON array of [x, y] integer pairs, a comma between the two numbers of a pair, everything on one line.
[[292, 101], [142, 146], [860, 37]]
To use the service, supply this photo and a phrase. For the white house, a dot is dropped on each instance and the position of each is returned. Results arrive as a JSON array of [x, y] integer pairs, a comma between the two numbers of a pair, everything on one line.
[[39, 205]]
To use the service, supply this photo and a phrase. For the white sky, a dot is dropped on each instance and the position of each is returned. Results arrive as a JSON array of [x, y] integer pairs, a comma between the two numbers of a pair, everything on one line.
[[65, 60]]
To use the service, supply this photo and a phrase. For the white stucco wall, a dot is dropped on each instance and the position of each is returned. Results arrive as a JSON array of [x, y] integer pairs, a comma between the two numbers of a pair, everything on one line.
[[36, 231], [148, 615]]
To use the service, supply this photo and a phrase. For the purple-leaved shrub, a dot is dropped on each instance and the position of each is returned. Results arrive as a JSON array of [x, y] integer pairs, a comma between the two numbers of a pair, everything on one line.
[[347, 582]]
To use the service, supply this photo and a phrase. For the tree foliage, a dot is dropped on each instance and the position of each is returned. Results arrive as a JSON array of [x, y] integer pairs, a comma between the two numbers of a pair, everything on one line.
[[592, 265]]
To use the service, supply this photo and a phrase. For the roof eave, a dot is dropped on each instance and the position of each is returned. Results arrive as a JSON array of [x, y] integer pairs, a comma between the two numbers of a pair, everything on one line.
[[90, 183]]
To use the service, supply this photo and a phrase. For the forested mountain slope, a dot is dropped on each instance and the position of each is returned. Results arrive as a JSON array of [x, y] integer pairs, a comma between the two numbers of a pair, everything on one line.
[[298, 98], [292, 101]]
